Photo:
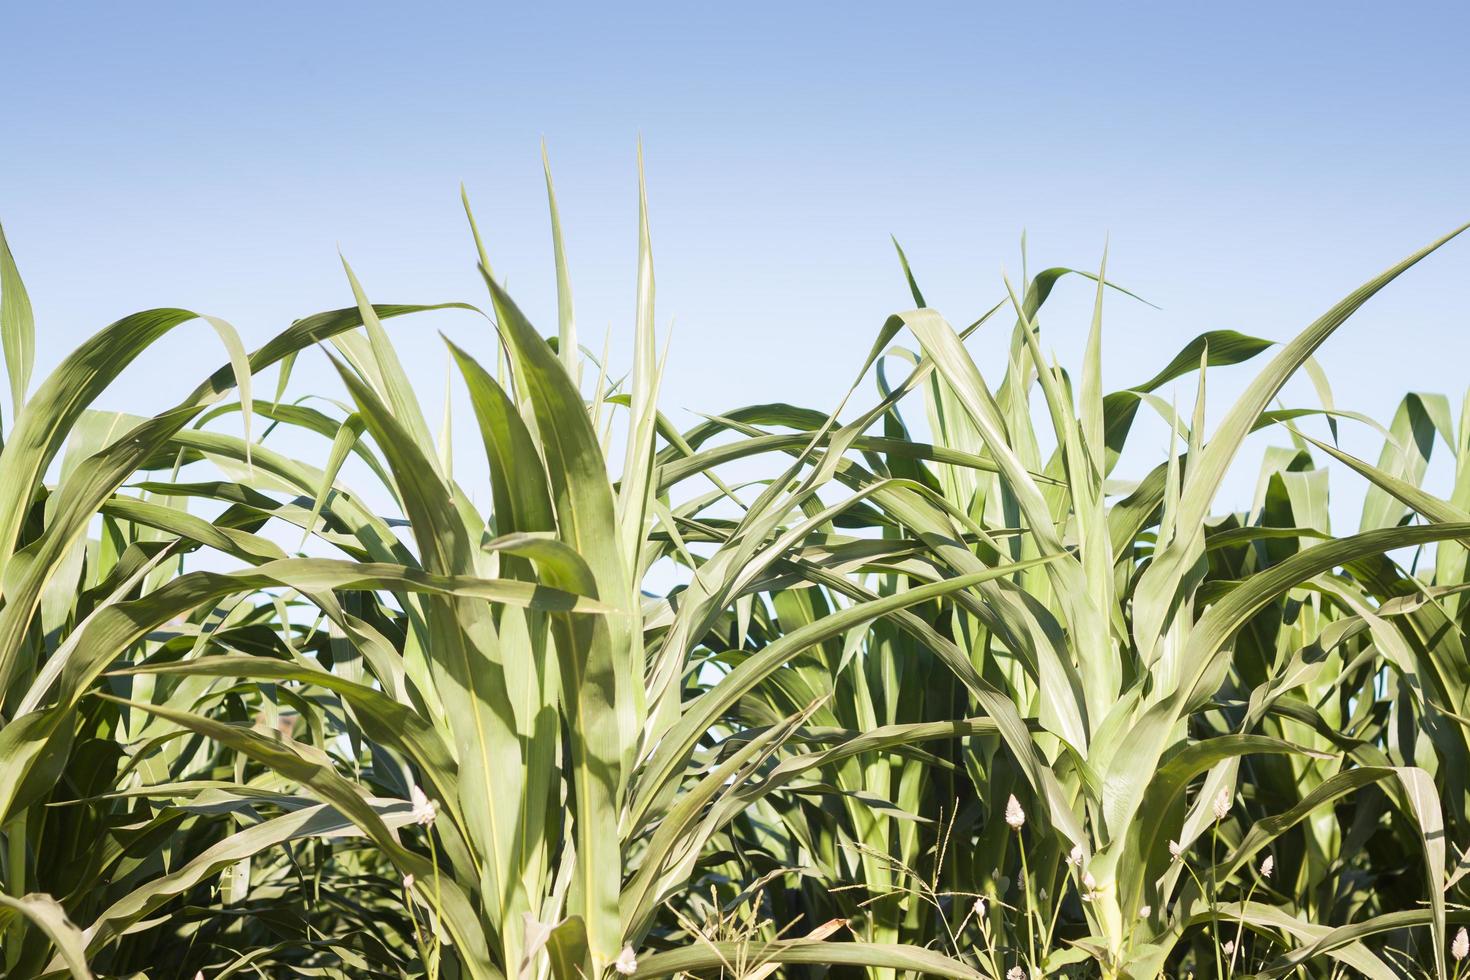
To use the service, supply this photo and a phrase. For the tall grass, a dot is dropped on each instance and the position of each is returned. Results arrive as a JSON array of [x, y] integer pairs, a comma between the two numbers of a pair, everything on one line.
[[951, 697]]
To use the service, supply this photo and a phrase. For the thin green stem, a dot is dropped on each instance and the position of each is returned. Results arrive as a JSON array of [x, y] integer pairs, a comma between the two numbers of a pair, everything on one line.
[[1030, 901], [1215, 899], [1056, 909], [1240, 928], [438, 901]]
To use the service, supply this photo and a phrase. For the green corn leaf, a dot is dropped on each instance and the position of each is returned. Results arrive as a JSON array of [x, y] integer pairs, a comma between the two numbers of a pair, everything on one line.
[[47, 915], [17, 327]]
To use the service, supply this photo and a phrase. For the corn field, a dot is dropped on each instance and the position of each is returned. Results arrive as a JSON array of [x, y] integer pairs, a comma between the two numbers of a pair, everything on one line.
[[927, 683]]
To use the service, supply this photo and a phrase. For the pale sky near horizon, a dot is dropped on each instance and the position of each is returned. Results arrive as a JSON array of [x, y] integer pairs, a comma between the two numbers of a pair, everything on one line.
[[1247, 164]]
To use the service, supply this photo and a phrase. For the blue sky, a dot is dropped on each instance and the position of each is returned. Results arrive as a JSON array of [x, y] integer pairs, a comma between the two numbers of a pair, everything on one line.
[[1248, 163]]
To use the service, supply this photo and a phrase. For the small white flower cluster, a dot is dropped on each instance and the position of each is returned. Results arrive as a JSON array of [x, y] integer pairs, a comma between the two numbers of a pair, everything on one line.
[[424, 809], [1015, 973], [1089, 884], [1222, 806], [1015, 816], [1460, 948], [627, 962]]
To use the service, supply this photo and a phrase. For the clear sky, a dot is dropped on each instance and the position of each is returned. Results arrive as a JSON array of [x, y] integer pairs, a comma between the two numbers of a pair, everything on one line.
[[1248, 162]]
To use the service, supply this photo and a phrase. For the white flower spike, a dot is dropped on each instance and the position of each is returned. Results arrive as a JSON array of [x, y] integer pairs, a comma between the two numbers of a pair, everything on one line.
[[424, 809], [1228, 947], [627, 962], [1075, 858], [1015, 816], [1146, 911], [1460, 948], [1267, 866], [1222, 806], [1175, 851], [979, 908], [1015, 973]]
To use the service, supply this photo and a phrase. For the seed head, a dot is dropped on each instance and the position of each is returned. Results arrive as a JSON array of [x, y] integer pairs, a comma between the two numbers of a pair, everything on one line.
[[1267, 866], [424, 809], [1222, 806], [1460, 948], [626, 963], [1015, 816]]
